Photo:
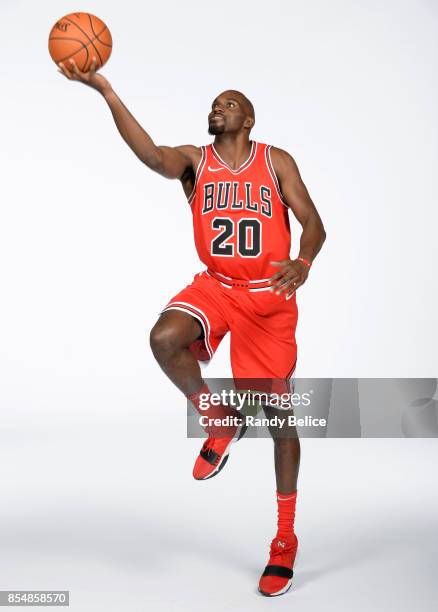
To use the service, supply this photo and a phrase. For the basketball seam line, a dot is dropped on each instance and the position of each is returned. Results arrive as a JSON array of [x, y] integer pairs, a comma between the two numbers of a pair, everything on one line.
[[78, 39], [84, 46], [97, 35], [81, 42], [83, 31], [85, 34]]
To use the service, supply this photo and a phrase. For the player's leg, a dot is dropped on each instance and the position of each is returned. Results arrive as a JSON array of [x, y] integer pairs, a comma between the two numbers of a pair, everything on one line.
[[287, 454], [170, 339], [277, 576], [269, 322], [190, 328], [287, 449]]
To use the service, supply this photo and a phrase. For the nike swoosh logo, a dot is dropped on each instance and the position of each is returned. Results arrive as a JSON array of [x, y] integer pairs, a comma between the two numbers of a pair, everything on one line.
[[214, 169]]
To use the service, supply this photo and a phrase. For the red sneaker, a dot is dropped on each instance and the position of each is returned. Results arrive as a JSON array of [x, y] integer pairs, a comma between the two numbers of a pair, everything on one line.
[[214, 454], [277, 577]]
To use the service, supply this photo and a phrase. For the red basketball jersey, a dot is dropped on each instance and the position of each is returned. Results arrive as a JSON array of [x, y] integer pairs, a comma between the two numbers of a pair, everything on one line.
[[240, 218]]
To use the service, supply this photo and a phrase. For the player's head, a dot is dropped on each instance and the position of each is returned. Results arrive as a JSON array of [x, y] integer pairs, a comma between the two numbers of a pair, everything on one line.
[[231, 112]]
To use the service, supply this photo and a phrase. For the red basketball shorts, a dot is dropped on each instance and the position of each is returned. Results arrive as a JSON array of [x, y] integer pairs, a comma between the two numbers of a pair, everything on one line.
[[261, 325]]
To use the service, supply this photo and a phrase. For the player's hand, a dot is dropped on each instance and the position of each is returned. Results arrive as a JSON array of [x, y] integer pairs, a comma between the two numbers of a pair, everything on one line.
[[91, 78], [293, 274]]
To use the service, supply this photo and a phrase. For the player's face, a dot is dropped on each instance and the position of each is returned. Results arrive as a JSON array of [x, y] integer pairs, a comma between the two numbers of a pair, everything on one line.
[[227, 114]]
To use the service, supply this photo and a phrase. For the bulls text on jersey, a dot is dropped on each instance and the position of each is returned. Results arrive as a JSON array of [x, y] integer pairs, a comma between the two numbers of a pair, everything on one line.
[[225, 195]]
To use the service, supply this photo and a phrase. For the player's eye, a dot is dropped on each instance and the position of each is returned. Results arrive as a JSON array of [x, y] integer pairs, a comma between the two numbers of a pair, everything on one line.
[[231, 104]]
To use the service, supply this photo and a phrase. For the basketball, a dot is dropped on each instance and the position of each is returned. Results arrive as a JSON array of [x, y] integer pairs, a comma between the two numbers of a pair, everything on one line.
[[80, 36]]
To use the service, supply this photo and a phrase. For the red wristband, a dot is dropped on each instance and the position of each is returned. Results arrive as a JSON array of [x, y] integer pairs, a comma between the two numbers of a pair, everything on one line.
[[305, 261]]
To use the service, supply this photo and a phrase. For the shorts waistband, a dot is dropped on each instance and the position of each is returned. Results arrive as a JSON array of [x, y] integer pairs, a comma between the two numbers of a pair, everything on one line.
[[262, 284]]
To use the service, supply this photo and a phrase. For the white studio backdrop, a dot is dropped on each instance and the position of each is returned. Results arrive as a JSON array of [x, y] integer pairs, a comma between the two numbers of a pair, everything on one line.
[[93, 244]]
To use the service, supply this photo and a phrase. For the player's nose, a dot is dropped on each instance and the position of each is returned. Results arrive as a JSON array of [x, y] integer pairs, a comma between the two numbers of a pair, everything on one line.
[[218, 108]]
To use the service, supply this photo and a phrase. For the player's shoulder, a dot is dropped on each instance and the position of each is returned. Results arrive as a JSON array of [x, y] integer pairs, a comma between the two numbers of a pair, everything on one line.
[[188, 148], [192, 152], [280, 154], [281, 159]]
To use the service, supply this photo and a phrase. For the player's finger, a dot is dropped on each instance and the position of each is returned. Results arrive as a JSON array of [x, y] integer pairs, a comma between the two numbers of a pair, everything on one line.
[[278, 281], [277, 275], [283, 262], [63, 70], [290, 286], [289, 294], [286, 279], [296, 286], [285, 283], [284, 288], [290, 281], [288, 276], [285, 271], [74, 68], [93, 65]]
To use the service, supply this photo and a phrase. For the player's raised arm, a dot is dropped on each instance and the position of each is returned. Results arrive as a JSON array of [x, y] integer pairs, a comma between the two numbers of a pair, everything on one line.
[[170, 162]]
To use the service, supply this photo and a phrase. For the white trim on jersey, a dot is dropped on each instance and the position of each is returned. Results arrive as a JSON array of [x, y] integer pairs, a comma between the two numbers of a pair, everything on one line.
[[230, 286], [246, 164], [290, 381], [219, 274], [260, 289], [260, 280], [202, 318], [274, 178], [198, 173]]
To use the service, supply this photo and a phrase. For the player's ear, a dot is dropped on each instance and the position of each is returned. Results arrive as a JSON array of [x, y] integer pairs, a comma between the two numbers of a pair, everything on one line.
[[249, 122]]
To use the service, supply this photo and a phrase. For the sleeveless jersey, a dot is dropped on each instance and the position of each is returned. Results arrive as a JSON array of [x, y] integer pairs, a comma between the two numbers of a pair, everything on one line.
[[240, 218]]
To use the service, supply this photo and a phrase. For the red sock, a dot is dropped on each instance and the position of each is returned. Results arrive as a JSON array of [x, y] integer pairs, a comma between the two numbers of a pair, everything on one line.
[[277, 577], [213, 411], [286, 515]]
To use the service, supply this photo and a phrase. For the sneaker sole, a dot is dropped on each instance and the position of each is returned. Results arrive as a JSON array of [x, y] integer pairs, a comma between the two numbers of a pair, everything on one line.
[[218, 467], [281, 592]]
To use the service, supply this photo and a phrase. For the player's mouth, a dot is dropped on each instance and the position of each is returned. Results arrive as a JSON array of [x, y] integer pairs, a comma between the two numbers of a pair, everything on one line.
[[216, 116]]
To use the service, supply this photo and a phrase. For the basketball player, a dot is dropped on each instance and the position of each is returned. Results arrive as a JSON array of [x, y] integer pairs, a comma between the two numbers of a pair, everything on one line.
[[240, 192]]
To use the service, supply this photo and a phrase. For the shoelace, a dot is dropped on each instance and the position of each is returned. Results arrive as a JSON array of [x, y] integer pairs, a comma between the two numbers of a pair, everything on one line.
[[208, 444]]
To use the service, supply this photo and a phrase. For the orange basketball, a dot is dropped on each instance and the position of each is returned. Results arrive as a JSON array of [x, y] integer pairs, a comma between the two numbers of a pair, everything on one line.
[[80, 36]]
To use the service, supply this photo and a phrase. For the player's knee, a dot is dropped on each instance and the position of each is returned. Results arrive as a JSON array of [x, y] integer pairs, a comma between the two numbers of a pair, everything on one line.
[[164, 340]]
